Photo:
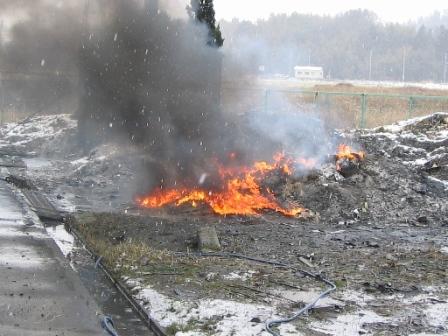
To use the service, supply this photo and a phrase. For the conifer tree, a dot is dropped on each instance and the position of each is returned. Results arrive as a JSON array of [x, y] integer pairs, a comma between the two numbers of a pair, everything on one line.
[[204, 12]]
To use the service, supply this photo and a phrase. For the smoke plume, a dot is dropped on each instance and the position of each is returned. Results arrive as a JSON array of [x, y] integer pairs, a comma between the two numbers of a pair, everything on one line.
[[144, 74]]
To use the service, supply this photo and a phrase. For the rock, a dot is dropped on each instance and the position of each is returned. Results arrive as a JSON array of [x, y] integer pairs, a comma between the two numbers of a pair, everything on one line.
[[211, 276], [347, 168], [208, 239], [390, 257], [422, 219], [338, 177], [420, 188], [255, 320], [144, 261]]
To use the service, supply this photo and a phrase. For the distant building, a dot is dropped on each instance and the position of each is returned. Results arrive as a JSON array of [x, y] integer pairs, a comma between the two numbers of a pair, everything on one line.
[[308, 72]]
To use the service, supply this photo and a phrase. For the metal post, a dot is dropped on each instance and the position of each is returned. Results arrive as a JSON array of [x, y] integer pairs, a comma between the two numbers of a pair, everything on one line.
[[266, 101], [411, 107], [403, 75], [362, 121], [445, 67]]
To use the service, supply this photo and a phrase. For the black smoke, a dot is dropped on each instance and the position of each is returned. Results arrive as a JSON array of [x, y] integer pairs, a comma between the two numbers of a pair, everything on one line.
[[140, 76], [157, 81], [39, 42]]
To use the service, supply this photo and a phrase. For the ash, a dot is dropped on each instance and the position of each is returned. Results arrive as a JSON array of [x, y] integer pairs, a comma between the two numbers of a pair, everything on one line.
[[380, 234]]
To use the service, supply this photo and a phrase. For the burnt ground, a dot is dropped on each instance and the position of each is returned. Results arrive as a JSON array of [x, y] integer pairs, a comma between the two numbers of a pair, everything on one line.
[[380, 235]]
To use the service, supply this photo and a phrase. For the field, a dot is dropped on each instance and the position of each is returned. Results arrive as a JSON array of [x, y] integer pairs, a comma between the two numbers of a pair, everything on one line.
[[340, 104]]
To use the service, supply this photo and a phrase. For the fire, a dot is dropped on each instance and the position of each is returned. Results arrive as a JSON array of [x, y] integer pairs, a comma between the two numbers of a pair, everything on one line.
[[345, 152], [241, 193]]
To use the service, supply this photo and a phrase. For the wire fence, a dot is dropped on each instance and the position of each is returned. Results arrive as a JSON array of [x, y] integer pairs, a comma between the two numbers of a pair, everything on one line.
[[341, 109]]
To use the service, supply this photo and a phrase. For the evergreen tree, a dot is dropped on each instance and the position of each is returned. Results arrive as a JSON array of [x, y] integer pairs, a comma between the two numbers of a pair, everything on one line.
[[203, 11]]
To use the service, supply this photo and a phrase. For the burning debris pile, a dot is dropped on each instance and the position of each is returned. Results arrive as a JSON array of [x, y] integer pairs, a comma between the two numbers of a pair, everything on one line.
[[348, 160], [242, 192]]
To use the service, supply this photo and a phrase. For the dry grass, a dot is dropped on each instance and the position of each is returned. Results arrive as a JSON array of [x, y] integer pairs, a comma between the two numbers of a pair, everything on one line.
[[341, 111]]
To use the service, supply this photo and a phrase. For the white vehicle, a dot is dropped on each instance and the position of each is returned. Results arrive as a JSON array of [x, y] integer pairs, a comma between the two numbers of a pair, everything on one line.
[[308, 72]]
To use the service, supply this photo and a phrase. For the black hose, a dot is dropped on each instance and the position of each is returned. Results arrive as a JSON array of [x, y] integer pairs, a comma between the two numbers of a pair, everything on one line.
[[108, 324], [273, 323], [304, 310]]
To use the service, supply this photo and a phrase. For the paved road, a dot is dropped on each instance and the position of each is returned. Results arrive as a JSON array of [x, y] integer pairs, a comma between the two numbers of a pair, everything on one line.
[[40, 295]]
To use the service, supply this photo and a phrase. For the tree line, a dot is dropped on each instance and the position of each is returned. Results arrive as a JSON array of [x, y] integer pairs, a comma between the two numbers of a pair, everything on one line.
[[353, 45]]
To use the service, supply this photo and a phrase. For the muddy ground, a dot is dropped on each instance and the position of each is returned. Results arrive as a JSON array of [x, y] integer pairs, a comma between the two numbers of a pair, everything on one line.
[[379, 235]]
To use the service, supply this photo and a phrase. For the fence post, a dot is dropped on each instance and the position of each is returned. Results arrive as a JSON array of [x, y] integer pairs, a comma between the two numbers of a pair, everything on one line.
[[362, 121], [316, 96], [266, 101], [411, 107]]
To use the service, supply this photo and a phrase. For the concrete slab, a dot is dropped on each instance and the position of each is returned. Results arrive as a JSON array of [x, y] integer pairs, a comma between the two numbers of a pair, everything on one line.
[[41, 205], [39, 292]]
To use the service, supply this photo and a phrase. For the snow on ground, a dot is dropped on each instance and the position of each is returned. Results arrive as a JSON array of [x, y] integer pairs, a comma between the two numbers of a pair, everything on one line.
[[428, 307], [40, 134], [419, 142], [228, 317], [62, 238], [39, 127], [297, 83], [349, 324]]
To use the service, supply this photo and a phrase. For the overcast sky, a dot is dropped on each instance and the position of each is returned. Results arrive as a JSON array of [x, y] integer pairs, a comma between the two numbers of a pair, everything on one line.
[[388, 10]]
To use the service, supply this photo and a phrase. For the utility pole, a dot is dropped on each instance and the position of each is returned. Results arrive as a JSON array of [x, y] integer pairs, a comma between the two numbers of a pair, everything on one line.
[[370, 64], [403, 75], [445, 67]]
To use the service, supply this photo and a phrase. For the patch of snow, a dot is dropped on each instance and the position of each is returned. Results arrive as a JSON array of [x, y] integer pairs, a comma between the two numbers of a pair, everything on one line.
[[62, 238], [36, 163], [399, 126], [232, 318], [81, 161], [441, 182], [306, 297], [359, 298], [348, 324], [436, 314], [39, 127], [420, 162], [243, 276]]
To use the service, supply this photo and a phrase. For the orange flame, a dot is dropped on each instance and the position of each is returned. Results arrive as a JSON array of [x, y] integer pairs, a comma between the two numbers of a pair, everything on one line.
[[348, 153], [241, 193]]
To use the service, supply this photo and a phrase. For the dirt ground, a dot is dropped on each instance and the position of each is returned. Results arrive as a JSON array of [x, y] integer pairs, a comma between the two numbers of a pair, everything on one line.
[[379, 235]]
